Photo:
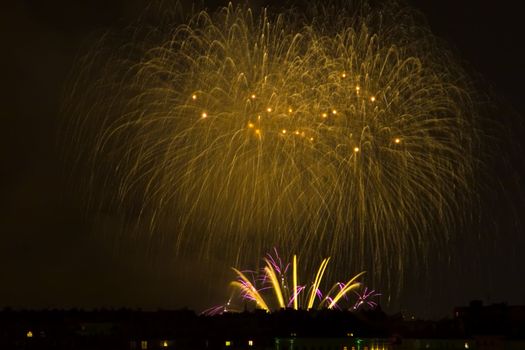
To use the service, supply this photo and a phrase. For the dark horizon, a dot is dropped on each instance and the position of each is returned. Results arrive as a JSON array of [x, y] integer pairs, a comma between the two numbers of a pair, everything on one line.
[[53, 256], [475, 326]]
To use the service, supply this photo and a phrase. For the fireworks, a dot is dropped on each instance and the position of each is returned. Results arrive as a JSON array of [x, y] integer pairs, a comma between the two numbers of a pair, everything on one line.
[[274, 277], [364, 299], [344, 126]]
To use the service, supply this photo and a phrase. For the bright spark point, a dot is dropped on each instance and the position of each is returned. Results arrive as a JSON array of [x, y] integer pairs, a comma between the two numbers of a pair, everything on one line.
[[356, 149], [343, 75], [251, 125], [194, 97], [284, 131], [357, 88], [397, 140], [269, 109], [372, 98], [334, 112], [290, 110], [204, 115], [324, 115], [253, 96]]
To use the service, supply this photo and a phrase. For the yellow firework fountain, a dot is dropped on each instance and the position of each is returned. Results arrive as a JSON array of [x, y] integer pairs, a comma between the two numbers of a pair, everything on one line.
[[275, 277]]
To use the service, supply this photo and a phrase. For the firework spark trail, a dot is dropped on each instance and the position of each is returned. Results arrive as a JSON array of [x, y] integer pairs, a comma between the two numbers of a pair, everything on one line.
[[342, 127], [215, 310], [365, 298], [315, 286], [350, 285], [248, 290]]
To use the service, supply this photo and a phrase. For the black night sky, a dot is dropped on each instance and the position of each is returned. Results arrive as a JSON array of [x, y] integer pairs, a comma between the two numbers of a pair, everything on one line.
[[54, 256]]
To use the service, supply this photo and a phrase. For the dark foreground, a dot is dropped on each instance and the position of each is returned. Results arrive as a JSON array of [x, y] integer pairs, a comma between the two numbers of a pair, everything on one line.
[[496, 326]]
